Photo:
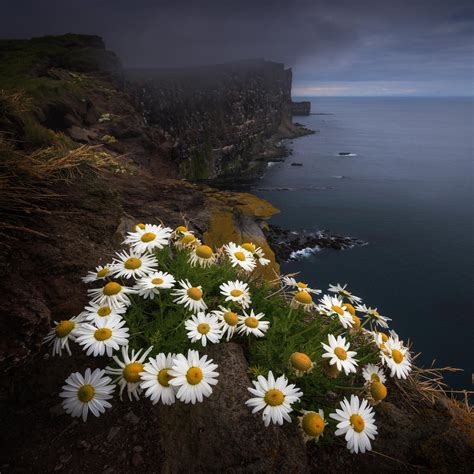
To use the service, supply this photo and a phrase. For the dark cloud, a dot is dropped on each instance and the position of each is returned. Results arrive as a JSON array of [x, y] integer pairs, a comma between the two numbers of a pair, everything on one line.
[[324, 40]]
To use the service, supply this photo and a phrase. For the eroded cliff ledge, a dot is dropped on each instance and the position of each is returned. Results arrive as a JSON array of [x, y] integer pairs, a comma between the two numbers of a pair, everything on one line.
[[227, 120]]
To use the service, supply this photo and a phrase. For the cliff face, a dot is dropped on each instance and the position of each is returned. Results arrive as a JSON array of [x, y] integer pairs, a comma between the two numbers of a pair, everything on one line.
[[224, 120]]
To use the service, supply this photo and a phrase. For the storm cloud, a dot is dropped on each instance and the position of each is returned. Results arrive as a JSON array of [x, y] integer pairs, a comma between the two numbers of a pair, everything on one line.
[[412, 45]]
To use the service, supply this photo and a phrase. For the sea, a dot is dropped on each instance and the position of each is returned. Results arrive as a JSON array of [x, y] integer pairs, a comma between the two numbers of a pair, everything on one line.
[[405, 186]]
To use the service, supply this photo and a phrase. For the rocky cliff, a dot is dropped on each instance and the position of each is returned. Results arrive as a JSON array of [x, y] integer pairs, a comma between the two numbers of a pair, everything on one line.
[[226, 120]]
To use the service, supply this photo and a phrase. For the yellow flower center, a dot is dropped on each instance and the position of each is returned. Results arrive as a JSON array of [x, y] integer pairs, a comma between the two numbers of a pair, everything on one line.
[[111, 288], [338, 310], [300, 284], [312, 424], [397, 356], [350, 308], [274, 397], [231, 318], [104, 311], [164, 377], [384, 336], [181, 228], [378, 391], [240, 256], [251, 322], [301, 361], [236, 293], [203, 328], [249, 247], [102, 334], [303, 297], [64, 328], [375, 378], [85, 393], [187, 239], [340, 353], [157, 281], [139, 226], [132, 263], [148, 237], [357, 423], [357, 322], [195, 293], [194, 375], [131, 372], [102, 273], [204, 251]]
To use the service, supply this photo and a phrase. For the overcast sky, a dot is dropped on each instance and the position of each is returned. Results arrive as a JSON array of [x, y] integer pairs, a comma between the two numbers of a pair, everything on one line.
[[335, 47]]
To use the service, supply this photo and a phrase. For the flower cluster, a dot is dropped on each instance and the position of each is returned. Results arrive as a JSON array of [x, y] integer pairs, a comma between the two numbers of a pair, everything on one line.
[[179, 295]]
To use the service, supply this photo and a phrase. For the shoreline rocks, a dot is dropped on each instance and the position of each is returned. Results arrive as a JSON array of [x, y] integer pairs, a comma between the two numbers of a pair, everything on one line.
[[291, 245]]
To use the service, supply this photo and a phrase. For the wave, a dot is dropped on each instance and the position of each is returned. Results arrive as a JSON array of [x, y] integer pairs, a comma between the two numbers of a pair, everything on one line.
[[304, 253]]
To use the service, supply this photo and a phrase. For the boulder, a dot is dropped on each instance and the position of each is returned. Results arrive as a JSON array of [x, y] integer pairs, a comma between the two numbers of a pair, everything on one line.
[[221, 434]]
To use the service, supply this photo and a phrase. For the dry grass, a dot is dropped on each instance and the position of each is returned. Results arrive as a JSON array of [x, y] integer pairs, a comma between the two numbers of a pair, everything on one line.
[[27, 179], [428, 386]]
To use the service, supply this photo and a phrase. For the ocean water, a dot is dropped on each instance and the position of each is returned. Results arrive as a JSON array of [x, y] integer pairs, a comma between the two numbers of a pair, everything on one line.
[[408, 191]]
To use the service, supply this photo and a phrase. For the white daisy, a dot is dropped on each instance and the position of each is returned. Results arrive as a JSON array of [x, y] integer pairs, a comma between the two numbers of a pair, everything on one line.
[[334, 307], [379, 338], [312, 425], [88, 392], [150, 285], [291, 282], [239, 257], [112, 294], [396, 357], [152, 237], [252, 324], [357, 324], [257, 252], [228, 321], [133, 265], [104, 337], [339, 354], [373, 373], [203, 327], [356, 423], [236, 291], [193, 377], [274, 397], [344, 293], [63, 331], [202, 255], [300, 364], [302, 299], [95, 312], [101, 273], [128, 371], [373, 315], [181, 231], [190, 296], [156, 379], [187, 241]]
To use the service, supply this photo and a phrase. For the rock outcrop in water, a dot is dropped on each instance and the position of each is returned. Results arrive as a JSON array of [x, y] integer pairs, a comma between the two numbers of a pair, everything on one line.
[[301, 108]]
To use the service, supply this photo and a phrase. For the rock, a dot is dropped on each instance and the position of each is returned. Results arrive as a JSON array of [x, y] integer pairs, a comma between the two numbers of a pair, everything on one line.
[[291, 245], [301, 108], [79, 134], [221, 434], [137, 459], [56, 410], [130, 417], [296, 164], [113, 432]]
